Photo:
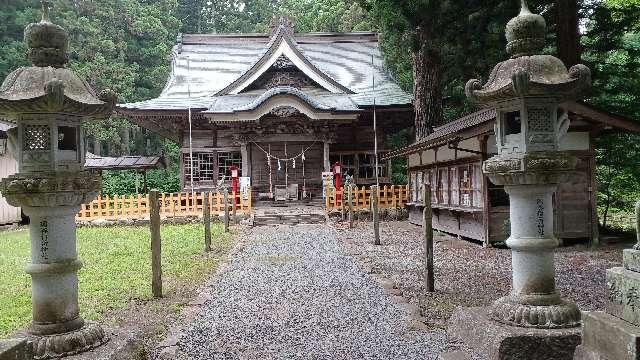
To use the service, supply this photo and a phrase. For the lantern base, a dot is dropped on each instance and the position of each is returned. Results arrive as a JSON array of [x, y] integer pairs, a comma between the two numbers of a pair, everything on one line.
[[498, 341], [55, 346], [549, 312]]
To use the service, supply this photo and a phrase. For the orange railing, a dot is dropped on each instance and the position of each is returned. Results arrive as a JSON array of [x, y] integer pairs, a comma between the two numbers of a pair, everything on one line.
[[394, 196], [171, 204]]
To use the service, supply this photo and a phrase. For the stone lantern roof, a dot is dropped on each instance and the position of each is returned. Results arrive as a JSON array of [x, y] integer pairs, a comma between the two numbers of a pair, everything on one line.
[[47, 86], [528, 72]]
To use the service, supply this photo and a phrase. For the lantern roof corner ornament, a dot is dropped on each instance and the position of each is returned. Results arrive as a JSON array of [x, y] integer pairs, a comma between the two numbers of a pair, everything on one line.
[[529, 72]]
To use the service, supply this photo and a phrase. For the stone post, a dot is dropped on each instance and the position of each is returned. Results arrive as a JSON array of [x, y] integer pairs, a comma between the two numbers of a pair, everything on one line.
[[615, 332]]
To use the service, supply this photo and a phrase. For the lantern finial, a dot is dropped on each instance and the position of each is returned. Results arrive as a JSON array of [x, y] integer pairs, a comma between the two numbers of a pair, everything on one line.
[[46, 6], [46, 42], [525, 33]]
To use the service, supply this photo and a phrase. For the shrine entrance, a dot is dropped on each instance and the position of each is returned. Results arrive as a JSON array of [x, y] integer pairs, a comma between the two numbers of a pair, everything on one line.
[[290, 170]]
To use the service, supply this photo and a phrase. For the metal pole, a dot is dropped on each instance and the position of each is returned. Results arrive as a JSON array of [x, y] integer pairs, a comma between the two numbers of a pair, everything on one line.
[[190, 126], [375, 127], [427, 228]]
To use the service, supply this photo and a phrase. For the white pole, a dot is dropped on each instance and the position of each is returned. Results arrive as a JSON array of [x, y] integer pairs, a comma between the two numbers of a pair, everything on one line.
[[375, 130], [190, 134]]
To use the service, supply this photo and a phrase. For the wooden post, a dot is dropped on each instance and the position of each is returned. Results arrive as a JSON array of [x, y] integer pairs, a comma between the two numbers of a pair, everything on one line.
[[342, 203], [226, 210], [350, 195], [374, 211], [156, 250], [235, 206], [206, 217], [637, 246], [427, 229]]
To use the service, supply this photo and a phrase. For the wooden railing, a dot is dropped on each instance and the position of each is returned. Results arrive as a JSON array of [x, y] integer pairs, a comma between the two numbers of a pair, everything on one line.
[[394, 196], [171, 205]]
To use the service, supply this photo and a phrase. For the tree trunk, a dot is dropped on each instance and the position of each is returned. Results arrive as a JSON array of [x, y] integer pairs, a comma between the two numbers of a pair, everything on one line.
[[567, 32], [427, 87]]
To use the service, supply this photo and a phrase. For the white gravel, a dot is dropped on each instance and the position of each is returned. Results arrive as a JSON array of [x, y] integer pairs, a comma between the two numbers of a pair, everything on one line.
[[295, 293]]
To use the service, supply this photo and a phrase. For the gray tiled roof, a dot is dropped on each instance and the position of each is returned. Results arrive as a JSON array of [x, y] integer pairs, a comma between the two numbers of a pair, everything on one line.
[[215, 61], [247, 102]]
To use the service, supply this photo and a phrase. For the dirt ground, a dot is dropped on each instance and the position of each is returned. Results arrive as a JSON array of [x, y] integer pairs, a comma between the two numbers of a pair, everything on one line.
[[466, 274]]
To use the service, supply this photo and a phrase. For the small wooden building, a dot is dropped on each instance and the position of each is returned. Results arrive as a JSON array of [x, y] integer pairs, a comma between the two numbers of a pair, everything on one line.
[[8, 166], [281, 107], [467, 204]]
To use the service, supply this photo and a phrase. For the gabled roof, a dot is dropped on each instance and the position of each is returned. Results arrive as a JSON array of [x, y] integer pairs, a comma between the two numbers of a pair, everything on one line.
[[283, 44], [451, 131], [207, 66]]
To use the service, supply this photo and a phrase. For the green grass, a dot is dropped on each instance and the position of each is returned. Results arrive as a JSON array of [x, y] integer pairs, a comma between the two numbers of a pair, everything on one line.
[[116, 268]]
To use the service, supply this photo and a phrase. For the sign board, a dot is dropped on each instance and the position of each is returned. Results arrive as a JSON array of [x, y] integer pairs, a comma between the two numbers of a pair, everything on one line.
[[245, 183], [327, 181]]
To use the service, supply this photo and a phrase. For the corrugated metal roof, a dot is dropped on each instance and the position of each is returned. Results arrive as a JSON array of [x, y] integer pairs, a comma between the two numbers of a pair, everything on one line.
[[95, 162], [446, 131], [248, 102], [214, 62]]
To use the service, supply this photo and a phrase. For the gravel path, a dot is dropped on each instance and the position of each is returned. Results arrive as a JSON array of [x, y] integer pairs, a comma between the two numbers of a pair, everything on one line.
[[468, 275], [296, 293]]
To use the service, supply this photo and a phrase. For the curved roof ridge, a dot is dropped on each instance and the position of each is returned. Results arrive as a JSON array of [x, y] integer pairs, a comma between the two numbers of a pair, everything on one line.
[[276, 40], [284, 90]]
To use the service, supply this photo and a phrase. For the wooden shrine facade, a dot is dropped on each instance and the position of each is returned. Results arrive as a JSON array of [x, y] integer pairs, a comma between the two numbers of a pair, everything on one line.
[[281, 107], [467, 204]]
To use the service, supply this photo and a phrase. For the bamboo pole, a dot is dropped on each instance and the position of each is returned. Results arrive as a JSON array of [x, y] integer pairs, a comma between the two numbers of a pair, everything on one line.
[[156, 247], [206, 217], [374, 210], [427, 228]]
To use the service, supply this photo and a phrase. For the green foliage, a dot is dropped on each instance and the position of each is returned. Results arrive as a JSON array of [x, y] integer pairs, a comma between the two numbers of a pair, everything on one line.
[[116, 268], [399, 165]]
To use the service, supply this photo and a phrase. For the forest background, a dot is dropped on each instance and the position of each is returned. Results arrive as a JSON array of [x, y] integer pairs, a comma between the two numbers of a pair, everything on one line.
[[431, 47]]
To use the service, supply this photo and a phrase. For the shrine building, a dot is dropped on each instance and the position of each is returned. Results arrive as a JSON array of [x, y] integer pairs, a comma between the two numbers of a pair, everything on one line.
[[282, 107]]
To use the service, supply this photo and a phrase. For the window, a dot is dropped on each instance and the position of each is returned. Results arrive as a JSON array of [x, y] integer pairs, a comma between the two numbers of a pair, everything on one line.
[[443, 186], [512, 123], [225, 161], [466, 185], [348, 163], [203, 167], [366, 167], [67, 138]]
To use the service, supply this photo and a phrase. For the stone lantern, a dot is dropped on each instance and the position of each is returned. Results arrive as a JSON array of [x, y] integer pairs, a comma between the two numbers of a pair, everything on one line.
[[526, 91], [48, 103]]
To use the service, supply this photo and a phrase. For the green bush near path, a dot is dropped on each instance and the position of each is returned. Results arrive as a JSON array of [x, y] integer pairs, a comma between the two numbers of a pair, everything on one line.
[[116, 268]]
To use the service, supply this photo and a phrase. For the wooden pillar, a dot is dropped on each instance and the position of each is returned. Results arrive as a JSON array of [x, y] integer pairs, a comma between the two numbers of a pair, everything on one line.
[[246, 163], [226, 210], [350, 189], [206, 217], [376, 217], [594, 238], [156, 248], [427, 228], [325, 157], [486, 204]]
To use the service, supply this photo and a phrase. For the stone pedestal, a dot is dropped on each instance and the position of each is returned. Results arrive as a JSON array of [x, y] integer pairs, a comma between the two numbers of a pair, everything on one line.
[[498, 341], [52, 201], [615, 333]]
